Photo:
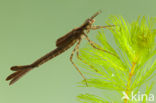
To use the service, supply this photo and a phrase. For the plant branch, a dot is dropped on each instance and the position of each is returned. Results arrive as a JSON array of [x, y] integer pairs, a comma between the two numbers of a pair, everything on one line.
[[130, 79]]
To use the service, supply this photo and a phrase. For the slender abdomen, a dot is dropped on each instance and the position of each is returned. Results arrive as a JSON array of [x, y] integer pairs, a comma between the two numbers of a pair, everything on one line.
[[22, 70], [53, 53]]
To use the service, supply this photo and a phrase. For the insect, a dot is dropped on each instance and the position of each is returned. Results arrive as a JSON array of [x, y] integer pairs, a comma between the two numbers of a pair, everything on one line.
[[62, 44]]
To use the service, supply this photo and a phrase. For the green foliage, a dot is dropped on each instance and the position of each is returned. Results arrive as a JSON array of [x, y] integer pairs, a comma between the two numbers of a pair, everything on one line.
[[91, 98], [131, 69]]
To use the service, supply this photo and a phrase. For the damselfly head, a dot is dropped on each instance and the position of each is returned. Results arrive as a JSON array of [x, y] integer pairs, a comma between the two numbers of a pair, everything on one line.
[[96, 14], [91, 21]]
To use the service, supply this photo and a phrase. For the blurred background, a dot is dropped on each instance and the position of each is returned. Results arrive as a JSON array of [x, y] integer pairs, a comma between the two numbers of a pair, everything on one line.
[[29, 29]]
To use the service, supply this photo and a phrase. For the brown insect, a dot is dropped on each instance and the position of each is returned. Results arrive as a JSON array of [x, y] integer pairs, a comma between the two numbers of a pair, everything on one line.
[[63, 43]]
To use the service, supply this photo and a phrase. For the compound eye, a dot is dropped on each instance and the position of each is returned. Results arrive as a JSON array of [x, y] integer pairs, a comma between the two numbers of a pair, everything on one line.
[[92, 21]]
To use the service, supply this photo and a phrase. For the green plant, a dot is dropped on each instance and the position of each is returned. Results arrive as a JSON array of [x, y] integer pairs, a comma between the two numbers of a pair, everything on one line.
[[132, 71]]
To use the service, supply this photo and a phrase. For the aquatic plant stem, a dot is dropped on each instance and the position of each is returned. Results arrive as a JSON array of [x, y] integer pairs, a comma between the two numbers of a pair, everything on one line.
[[130, 79]]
